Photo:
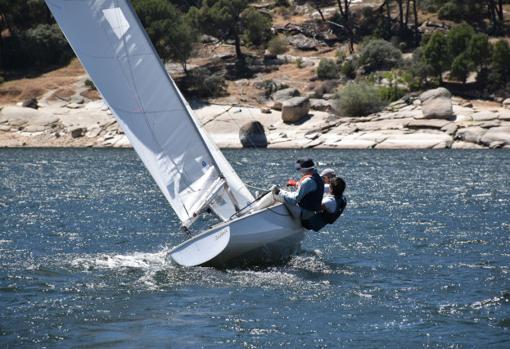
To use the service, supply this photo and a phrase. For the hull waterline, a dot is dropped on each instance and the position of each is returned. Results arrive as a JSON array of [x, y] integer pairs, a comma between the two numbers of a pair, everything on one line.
[[267, 236]]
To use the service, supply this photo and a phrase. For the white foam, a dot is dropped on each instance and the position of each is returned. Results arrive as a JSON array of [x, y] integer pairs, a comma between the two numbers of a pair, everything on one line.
[[139, 260], [148, 263]]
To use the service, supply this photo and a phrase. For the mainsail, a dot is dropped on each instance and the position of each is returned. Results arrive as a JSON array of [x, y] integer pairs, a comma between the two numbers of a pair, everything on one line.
[[112, 45]]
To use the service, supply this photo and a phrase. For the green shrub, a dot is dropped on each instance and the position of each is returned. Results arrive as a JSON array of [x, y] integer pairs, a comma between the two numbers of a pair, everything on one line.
[[462, 10], [451, 11], [458, 39], [214, 85], [359, 99], [379, 54], [460, 67], [391, 93], [324, 87], [1, 79], [90, 84], [327, 69], [204, 83], [435, 54], [340, 56], [277, 45], [41, 46], [499, 75], [431, 5], [299, 62], [418, 71], [172, 33], [257, 27], [348, 69], [270, 87], [479, 50]]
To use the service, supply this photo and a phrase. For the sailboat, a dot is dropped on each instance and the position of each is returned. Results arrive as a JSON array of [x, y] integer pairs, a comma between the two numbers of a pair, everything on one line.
[[191, 172]]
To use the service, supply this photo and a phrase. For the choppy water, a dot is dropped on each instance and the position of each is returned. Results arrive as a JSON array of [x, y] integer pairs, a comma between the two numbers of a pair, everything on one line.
[[421, 257]]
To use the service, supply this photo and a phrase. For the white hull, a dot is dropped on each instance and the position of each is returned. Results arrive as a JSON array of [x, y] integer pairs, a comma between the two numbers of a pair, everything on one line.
[[266, 236]]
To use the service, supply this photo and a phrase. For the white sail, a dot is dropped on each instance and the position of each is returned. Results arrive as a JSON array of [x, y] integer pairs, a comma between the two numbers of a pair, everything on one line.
[[110, 42]]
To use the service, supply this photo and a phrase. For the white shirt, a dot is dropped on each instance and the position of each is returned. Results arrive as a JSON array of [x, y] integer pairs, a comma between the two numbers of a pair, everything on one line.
[[329, 203]]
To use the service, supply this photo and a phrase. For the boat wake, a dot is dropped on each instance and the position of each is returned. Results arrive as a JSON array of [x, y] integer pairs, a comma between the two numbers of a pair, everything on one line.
[[139, 260], [156, 271]]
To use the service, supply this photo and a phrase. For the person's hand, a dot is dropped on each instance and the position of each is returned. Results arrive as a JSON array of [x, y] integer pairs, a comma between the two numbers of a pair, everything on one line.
[[291, 183]]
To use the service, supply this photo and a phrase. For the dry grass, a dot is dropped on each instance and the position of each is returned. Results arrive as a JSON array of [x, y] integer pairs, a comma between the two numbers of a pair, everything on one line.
[[60, 79]]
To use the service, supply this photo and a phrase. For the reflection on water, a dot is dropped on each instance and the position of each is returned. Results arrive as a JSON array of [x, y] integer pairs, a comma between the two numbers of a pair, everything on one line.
[[420, 257]]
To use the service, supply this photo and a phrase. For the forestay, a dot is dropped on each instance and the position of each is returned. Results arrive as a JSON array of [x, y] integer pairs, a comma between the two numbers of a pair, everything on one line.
[[113, 47]]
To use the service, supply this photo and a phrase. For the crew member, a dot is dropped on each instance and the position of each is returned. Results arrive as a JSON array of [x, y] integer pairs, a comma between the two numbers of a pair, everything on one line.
[[326, 175], [306, 201], [333, 205]]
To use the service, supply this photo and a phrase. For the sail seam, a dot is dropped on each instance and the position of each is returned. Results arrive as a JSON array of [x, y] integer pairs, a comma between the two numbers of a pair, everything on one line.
[[142, 110]]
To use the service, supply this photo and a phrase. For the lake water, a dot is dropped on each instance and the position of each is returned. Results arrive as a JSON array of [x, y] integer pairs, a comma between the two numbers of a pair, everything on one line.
[[420, 258]]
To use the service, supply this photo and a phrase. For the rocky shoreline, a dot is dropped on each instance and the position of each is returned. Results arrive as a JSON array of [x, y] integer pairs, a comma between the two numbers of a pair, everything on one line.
[[406, 124]]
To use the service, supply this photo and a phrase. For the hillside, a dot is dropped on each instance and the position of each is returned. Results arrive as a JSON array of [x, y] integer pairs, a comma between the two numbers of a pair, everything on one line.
[[348, 59]]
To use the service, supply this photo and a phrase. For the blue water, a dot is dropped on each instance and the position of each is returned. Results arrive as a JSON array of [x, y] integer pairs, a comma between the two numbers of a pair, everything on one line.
[[421, 257]]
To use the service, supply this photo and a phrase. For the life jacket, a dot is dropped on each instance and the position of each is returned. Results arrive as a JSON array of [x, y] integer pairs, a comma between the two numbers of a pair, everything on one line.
[[312, 200], [324, 217]]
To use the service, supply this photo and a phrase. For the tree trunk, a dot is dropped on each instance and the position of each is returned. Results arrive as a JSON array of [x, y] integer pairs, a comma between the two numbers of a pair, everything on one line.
[[491, 9], [318, 8], [185, 67], [1, 52], [346, 16], [408, 5], [415, 13], [340, 7], [237, 42], [500, 12], [400, 16]]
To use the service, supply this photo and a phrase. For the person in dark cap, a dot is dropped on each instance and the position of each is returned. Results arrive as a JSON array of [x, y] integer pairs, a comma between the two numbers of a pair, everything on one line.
[[306, 201]]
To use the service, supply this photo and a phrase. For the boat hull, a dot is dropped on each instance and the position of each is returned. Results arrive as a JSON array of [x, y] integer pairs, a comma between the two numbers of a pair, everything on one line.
[[267, 236]]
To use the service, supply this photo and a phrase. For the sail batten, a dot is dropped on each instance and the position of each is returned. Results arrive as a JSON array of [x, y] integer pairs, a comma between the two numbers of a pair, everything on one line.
[[111, 44]]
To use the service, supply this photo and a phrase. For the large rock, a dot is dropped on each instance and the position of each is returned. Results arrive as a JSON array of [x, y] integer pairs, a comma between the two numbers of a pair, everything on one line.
[[496, 134], [252, 135], [504, 115], [320, 104], [284, 94], [418, 140], [281, 96], [436, 104], [450, 128], [466, 145], [302, 42], [484, 116], [355, 141], [470, 134], [18, 116], [386, 124], [78, 132], [506, 103], [433, 124], [295, 109], [30, 103]]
